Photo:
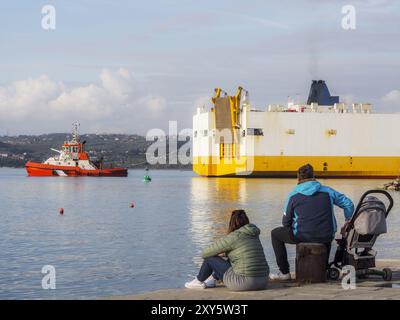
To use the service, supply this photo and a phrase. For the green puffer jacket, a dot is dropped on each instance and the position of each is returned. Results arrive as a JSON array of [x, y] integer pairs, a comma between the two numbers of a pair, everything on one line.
[[244, 250]]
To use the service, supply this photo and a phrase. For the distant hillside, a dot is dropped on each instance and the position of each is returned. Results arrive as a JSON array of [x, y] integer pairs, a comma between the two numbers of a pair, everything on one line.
[[116, 149]]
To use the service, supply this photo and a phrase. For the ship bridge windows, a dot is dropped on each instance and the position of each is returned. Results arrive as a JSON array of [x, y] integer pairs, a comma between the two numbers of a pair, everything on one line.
[[255, 132]]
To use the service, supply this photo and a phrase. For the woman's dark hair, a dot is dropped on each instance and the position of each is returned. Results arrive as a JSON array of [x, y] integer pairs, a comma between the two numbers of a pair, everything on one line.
[[238, 219]]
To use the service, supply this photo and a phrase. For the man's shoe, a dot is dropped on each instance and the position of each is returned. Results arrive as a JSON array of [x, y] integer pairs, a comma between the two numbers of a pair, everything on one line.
[[195, 284], [280, 276]]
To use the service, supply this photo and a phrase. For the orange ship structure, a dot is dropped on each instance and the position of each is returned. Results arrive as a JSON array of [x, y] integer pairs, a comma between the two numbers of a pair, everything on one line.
[[72, 161]]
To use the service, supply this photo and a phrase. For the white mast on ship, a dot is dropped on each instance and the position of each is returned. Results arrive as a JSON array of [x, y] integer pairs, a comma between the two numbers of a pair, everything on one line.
[[75, 132]]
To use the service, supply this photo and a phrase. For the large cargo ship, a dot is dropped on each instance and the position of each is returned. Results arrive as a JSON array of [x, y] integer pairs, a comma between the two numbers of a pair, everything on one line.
[[72, 161], [340, 141]]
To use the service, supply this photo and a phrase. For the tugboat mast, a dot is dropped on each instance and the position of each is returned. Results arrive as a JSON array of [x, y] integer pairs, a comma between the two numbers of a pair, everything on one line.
[[75, 131]]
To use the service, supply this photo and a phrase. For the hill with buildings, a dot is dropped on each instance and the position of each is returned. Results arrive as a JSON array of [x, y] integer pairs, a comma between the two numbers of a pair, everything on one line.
[[116, 149]]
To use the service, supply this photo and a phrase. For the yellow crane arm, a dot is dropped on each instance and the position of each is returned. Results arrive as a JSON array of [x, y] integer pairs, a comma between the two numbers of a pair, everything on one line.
[[217, 94], [235, 106]]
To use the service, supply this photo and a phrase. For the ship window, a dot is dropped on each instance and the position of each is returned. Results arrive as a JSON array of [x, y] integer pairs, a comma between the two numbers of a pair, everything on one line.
[[243, 133], [205, 133], [255, 132], [195, 134]]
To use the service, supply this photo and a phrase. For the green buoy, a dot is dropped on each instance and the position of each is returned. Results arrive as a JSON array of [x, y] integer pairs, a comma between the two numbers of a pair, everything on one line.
[[146, 177]]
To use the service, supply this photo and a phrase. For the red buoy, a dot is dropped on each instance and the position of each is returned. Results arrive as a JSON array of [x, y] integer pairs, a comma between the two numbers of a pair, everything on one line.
[[132, 205], [61, 210]]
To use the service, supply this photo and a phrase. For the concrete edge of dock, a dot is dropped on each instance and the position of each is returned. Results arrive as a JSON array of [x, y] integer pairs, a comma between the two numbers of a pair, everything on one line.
[[373, 288]]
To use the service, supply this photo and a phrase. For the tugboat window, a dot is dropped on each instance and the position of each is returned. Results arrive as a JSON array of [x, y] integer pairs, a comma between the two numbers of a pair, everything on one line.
[[255, 132]]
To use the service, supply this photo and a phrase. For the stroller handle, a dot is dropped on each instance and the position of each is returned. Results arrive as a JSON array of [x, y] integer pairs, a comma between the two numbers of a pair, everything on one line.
[[388, 196]]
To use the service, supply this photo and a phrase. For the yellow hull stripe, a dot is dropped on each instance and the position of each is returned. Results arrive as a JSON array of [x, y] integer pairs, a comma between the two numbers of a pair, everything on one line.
[[286, 166]]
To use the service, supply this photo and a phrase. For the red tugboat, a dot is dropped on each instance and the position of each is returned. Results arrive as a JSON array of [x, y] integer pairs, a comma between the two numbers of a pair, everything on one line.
[[72, 161]]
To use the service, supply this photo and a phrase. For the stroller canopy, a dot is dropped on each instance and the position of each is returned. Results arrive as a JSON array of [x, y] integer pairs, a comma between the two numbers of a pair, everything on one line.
[[371, 218]]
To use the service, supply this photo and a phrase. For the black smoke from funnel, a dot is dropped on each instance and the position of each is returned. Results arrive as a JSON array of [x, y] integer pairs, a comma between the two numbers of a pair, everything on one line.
[[313, 49]]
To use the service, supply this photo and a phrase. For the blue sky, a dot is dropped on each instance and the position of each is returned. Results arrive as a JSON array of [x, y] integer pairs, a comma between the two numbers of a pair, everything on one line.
[[129, 66]]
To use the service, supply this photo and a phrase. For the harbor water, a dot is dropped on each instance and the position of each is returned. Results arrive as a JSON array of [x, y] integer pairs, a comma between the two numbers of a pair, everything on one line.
[[101, 246]]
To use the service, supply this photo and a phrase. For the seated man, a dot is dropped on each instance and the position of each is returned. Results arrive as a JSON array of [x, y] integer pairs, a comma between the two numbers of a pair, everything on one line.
[[308, 217]]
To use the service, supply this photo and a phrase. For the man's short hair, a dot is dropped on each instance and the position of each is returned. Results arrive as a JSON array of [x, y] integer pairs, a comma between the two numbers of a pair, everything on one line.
[[305, 172]]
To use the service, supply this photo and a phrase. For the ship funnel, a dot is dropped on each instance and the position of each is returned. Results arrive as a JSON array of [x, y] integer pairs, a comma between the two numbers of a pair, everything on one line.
[[319, 93]]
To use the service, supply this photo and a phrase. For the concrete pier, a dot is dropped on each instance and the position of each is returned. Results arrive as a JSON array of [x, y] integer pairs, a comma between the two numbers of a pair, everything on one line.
[[373, 288]]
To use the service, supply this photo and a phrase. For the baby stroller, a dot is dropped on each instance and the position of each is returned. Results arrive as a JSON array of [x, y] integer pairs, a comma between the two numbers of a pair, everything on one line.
[[359, 236]]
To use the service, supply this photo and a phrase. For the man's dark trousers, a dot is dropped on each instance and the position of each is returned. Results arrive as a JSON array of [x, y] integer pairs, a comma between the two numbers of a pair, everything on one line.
[[280, 236]]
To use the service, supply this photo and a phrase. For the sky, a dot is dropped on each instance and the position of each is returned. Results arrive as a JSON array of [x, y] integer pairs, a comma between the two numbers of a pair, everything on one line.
[[131, 66]]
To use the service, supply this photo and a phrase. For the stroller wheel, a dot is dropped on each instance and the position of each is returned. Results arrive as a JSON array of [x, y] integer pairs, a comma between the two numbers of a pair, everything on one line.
[[387, 274], [333, 273]]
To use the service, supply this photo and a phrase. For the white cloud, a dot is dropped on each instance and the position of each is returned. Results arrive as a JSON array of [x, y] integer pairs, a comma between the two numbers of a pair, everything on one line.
[[118, 84], [391, 100], [154, 103], [19, 99], [392, 97], [41, 104]]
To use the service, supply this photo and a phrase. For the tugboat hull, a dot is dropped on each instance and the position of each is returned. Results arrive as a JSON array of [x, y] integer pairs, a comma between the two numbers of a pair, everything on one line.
[[35, 169]]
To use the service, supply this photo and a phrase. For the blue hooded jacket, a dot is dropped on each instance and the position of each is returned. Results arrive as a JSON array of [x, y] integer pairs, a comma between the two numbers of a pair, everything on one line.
[[309, 211]]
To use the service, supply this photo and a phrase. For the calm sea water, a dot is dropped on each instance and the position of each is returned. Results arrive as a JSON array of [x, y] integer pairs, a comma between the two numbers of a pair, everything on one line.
[[102, 247]]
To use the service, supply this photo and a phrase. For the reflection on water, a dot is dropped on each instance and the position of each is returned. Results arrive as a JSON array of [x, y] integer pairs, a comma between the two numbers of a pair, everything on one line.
[[213, 200], [102, 247]]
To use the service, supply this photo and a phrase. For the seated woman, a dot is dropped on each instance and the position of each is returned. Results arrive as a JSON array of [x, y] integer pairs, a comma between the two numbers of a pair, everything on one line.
[[237, 258]]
